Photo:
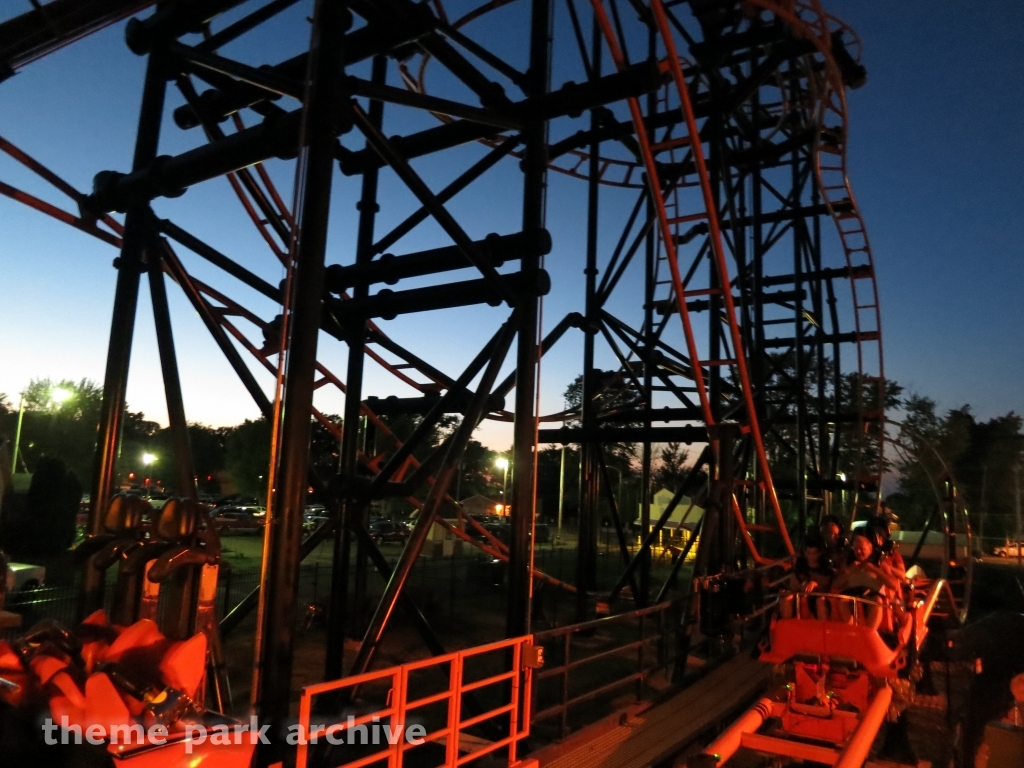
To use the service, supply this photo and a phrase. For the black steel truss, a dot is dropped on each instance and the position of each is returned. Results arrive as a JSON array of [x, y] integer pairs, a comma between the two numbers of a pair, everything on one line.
[[756, 88]]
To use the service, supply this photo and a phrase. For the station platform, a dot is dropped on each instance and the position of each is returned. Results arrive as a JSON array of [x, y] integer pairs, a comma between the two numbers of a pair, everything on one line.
[[652, 736]]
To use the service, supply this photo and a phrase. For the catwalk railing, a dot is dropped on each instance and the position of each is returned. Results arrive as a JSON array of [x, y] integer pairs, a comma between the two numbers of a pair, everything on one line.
[[407, 694], [590, 666]]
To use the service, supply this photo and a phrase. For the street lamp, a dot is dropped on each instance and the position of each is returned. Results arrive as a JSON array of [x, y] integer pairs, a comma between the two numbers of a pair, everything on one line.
[[148, 459], [57, 395], [502, 464]]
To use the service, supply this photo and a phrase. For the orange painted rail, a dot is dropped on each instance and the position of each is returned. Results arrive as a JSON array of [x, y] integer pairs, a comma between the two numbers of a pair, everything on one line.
[[512, 715]]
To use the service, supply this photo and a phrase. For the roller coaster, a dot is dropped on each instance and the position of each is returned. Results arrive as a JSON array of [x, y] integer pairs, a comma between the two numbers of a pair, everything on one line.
[[727, 276]]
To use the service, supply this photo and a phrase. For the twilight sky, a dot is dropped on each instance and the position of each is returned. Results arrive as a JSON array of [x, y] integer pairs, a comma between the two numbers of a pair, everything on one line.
[[936, 163]]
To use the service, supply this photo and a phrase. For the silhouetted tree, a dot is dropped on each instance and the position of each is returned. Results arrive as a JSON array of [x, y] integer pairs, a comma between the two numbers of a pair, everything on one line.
[[981, 457], [247, 456]]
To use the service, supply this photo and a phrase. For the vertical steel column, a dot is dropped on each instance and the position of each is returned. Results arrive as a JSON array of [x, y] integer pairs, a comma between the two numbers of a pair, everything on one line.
[[758, 357], [122, 326], [799, 235], [586, 543], [825, 476], [717, 169], [279, 580], [350, 507], [651, 254], [364, 252], [184, 469], [524, 449]]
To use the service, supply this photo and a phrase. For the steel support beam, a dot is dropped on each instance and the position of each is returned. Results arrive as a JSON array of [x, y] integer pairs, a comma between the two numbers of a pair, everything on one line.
[[570, 99], [46, 28], [271, 689], [586, 537], [684, 434], [184, 468], [350, 508], [524, 428], [122, 326], [497, 249], [387, 304]]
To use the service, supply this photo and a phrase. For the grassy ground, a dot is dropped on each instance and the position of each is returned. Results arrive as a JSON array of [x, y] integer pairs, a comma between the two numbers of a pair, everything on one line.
[[462, 597]]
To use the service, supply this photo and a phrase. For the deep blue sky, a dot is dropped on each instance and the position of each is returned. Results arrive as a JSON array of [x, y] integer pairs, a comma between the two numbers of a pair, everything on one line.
[[936, 163]]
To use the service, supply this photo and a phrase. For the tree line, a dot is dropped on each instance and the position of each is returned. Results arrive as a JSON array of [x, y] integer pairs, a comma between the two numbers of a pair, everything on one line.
[[982, 456]]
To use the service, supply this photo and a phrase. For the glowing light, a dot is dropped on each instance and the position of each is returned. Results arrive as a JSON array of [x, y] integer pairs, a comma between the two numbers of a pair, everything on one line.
[[501, 463], [59, 395], [148, 458]]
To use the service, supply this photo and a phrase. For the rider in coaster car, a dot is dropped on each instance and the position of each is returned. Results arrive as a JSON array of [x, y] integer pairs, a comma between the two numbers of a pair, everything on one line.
[[890, 558], [864, 577], [812, 572], [834, 536]]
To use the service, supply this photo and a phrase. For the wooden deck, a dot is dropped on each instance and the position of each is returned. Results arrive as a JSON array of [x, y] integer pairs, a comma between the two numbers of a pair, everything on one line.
[[658, 733]]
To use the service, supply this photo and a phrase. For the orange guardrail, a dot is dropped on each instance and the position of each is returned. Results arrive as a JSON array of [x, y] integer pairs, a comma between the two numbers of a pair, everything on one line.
[[518, 656]]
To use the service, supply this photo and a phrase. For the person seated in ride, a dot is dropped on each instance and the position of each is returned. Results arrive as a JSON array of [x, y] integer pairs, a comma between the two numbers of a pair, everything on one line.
[[834, 536], [864, 578], [812, 572], [890, 557]]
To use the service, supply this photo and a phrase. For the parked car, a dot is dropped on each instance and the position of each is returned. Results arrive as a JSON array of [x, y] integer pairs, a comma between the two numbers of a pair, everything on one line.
[[313, 518], [388, 532], [157, 499], [502, 531], [1007, 550], [22, 576], [233, 518]]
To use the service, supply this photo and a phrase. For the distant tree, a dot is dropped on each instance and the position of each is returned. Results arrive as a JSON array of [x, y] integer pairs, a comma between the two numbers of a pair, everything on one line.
[[670, 470], [207, 447], [401, 427], [324, 447], [247, 456], [614, 394], [85, 401], [246, 452], [140, 436], [857, 442], [64, 430], [207, 444], [981, 457], [549, 469], [478, 475]]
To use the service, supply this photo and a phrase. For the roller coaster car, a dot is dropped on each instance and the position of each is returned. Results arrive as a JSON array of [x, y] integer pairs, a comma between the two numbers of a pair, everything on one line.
[[868, 634], [844, 656]]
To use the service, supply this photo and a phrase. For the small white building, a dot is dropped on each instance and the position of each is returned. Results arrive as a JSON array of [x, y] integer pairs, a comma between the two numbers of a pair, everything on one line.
[[683, 518]]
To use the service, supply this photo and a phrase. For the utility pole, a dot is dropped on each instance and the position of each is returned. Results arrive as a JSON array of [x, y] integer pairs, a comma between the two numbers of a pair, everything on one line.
[[561, 494], [984, 509], [1016, 483], [21, 417]]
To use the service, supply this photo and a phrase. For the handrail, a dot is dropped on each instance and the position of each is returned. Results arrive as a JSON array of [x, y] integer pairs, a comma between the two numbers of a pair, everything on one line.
[[569, 629], [640, 646], [514, 710], [926, 605], [835, 599]]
